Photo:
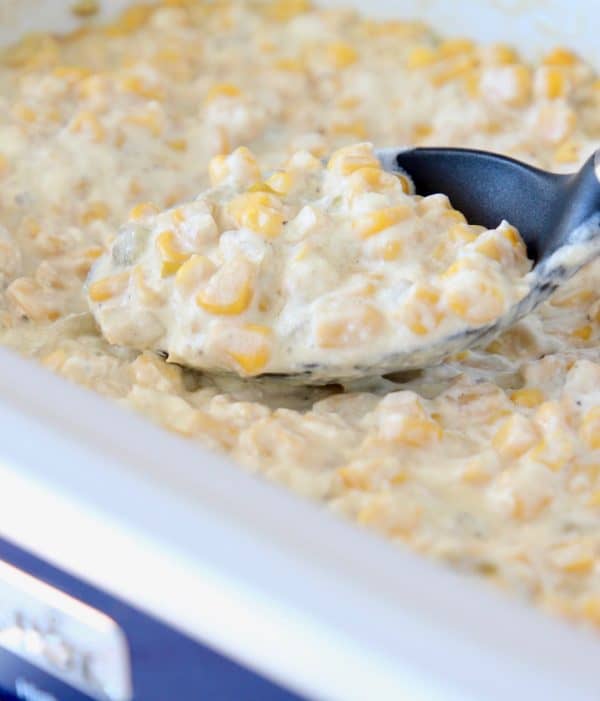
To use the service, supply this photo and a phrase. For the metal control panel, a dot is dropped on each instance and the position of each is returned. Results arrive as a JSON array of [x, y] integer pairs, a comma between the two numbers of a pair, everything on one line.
[[62, 636]]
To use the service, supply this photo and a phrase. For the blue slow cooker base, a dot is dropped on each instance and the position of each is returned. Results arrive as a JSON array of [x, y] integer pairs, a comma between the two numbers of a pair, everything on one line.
[[166, 665]]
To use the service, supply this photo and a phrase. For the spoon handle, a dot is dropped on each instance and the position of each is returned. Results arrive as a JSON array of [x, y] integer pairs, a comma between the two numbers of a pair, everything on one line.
[[581, 206], [575, 239]]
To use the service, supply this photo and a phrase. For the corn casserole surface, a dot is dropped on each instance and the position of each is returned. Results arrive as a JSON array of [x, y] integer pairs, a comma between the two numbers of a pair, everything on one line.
[[490, 461]]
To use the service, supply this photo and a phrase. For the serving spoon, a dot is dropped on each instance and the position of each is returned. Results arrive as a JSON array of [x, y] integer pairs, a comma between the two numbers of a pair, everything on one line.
[[557, 215]]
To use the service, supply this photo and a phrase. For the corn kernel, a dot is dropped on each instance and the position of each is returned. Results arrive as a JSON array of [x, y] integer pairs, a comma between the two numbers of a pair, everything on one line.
[[512, 236], [567, 152], [349, 102], [516, 436], [222, 90], [476, 471], [29, 298], [258, 212], [550, 415], [130, 20], [354, 479], [415, 431], [398, 28], [522, 86], [261, 187], [471, 81], [421, 313], [422, 131], [346, 160], [560, 57], [558, 604], [502, 55], [572, 299], [455, 47], [374, 222], [250, 348], [490, 248], [285, 10], [451, 71], [590, 609], [24, 113], [31, 226], [305, 161], [241, 163], [462, 233], [590, 428], [399, 477], [280, 182], [95, 211], [266, 46], [359, 323], [172, 257], [525, 509], [594, 499], [556, 455], [71, 74], [406, 183], [147, 120], [292, 65], [218, 170], [178, 145], [372, 180], [31, 52], [92, 86], [478, 303], [574, 558], [196, 270], [169, 54], [421, 57], [134, 84], [147, 294], [178, 215], [383, 513], [85, 8], [457, 267], [229, 290], [391, 250], [303, 250], [528, 397], [144, 209], [55, 360], [108, 287], [553, 82], [87, 122], [341, 55], [441, 251], [354, 128], [582, 333]]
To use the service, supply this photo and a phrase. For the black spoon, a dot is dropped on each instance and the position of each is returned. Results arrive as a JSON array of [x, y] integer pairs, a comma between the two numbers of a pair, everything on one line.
[[558, 216]]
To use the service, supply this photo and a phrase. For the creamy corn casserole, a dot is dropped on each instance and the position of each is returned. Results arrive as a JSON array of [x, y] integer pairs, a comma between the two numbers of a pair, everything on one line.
[[490, 461], [310, 269]]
